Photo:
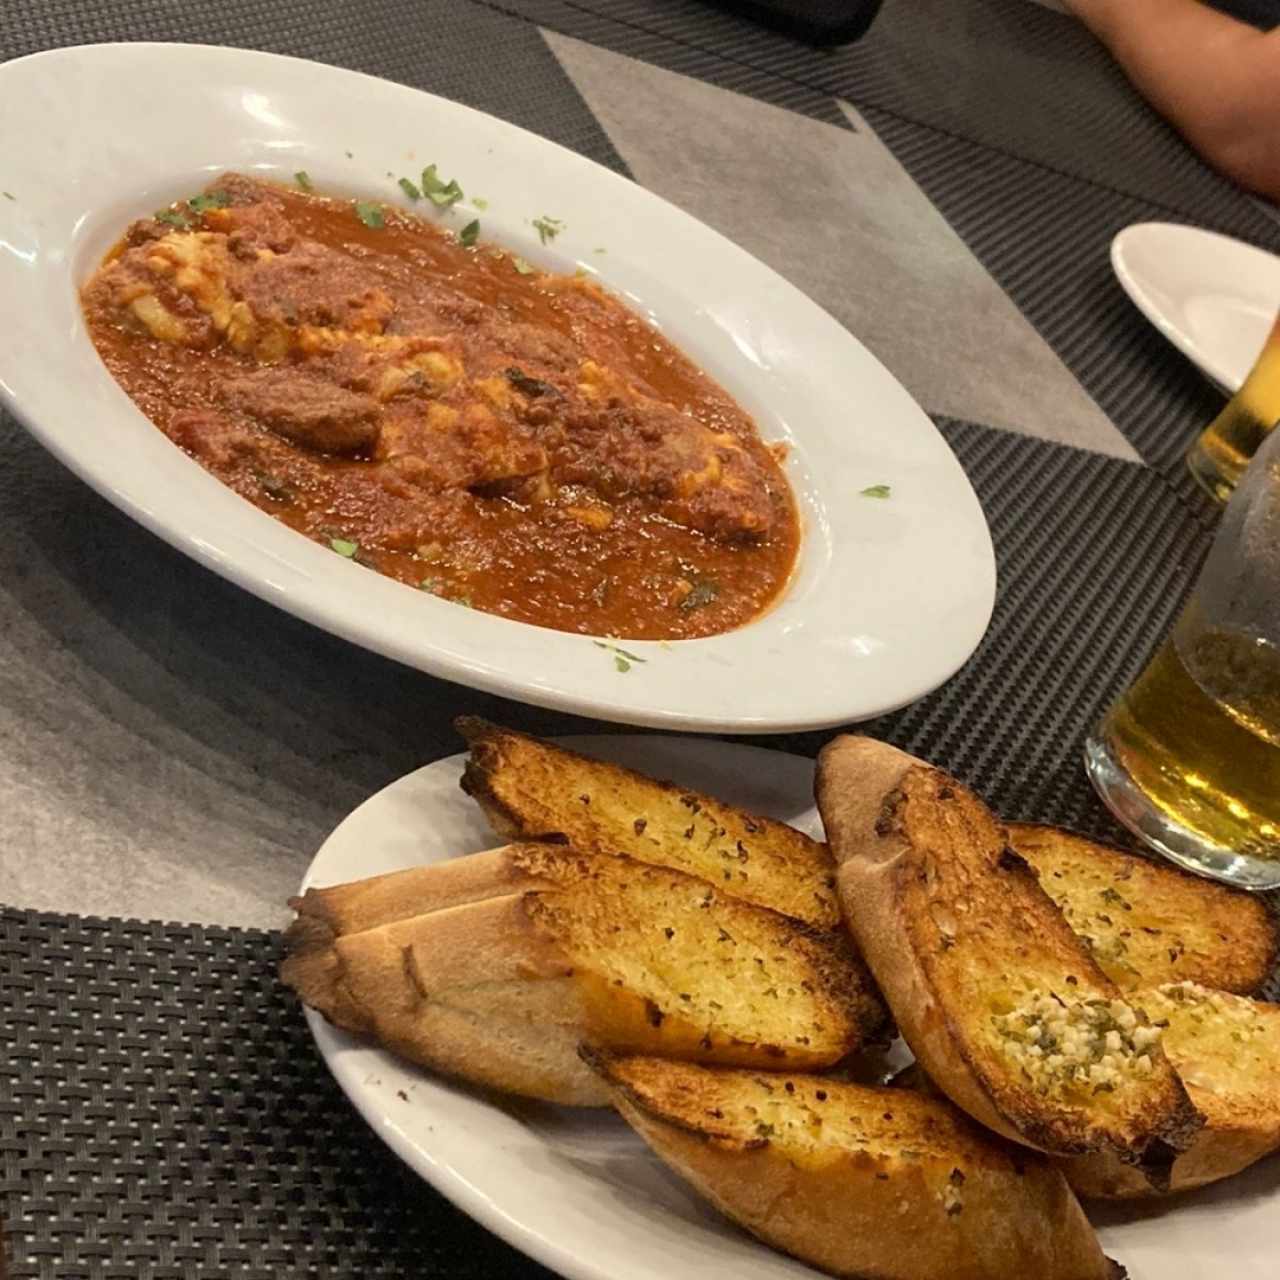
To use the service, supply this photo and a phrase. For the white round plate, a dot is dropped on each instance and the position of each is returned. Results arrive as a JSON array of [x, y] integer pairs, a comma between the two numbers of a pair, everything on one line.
[[890, 596], [576, 1189], [1213, 297]]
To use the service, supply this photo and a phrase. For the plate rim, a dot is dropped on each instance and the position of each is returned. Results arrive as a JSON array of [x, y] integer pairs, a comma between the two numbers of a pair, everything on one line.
[[513, 679]]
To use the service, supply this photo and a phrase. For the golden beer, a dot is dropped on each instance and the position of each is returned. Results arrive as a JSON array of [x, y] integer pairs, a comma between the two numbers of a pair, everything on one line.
[[1199, 733], [1189, 757], [1223, 450]]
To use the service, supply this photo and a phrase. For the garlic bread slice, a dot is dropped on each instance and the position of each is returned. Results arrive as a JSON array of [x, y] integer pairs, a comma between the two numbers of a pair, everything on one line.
[[415, 891], [533, 790], [994, 993], [865, 1182], [1147, 923], [311, 966]]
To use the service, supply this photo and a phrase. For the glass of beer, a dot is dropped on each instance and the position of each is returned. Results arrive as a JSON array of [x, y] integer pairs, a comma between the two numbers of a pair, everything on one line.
[[1189, 757], [1224, 448]]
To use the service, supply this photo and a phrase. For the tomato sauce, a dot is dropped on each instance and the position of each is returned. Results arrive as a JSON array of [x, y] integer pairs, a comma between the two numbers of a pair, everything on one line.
[[515, 441]]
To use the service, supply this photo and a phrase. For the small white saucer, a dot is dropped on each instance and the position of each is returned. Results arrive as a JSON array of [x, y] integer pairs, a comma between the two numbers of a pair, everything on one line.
[[1213, 297]]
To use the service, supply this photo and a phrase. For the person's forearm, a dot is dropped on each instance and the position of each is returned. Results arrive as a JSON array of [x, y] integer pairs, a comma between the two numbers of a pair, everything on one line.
[[1217, 80]]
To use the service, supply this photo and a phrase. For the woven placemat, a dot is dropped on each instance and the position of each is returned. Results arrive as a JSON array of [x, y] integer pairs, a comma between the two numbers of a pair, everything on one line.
[[164, 1114]]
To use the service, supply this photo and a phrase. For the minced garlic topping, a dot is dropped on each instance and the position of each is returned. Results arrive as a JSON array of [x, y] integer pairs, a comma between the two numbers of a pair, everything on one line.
[[1088, 1043]]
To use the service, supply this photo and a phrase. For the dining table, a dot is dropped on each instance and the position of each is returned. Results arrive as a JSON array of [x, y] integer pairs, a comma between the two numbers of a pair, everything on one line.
[[175, 750]]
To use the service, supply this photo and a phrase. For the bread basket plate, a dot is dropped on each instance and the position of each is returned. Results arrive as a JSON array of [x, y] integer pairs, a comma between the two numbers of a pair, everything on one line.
[[577, 1189], [889, 596]]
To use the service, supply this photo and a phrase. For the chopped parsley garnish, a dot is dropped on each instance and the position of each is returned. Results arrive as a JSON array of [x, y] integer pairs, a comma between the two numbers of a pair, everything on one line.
[[875, 491], [350, 155], [522, 266], [410, 189], [480, 203], [470, 233], [547, 228], [601, 249], [704, 593], [303, 179], [613, 648], [180, 216], [214, 200], [622, 659], [441, 194], [370, 213], [8, 195], [344, 547]]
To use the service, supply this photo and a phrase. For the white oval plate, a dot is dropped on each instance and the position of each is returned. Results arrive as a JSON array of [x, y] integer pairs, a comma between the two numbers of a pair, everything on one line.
[[890, 596], [577, 1190], [1213, 297]]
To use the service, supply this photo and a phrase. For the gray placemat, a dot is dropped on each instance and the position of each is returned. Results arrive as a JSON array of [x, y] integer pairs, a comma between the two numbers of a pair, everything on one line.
[[164, 1114], [1046, 239]]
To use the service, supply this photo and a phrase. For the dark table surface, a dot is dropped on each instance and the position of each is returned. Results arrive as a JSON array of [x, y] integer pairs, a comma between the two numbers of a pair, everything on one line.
[[173, 749]]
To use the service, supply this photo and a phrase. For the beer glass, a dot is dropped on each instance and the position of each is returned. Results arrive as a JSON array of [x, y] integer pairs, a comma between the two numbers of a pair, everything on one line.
[[1189, 757], [1225, 446]]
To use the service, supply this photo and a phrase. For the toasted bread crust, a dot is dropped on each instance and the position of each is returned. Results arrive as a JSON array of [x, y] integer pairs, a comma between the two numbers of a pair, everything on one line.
[[959, 934], [312, 966], [465, 987], [534, 790], [969, 1206], [472, 992], [1147, 922], [1215, 1155], [401, 895], [312, 969]]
